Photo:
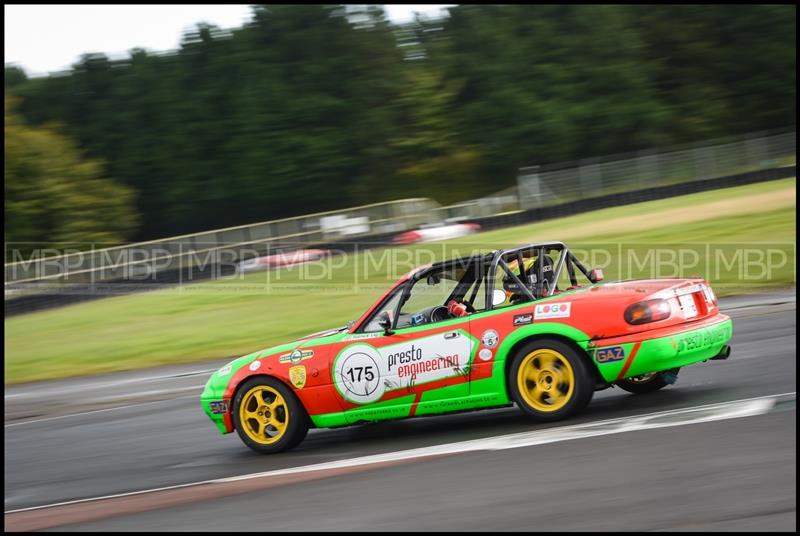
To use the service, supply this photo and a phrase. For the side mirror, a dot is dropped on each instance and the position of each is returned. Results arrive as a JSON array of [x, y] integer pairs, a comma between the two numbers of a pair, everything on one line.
[[498, 297], [385, 322], [596, 275]]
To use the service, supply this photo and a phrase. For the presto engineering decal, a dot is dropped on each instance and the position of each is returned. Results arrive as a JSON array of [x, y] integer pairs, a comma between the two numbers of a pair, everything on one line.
[[363, 373]]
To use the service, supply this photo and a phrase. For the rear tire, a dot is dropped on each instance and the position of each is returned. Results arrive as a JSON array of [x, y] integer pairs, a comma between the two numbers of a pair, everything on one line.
[[268, 416], [549, 380], [645, 383]]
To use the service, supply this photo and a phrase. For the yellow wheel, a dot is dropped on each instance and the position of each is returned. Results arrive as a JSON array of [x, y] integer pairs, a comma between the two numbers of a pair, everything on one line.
[[264, 414], [268, 416], [546, 380], [550, 380]]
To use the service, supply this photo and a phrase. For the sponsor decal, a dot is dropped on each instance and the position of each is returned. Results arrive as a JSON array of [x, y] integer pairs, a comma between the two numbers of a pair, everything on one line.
[[296, 356], [612, 353], [362, 336], [362, 373], [255, 365], [552, 310], [520, 320], [704, 338], [485, 354], [218, 407], [297, 375], [490, 338], [224, 370]]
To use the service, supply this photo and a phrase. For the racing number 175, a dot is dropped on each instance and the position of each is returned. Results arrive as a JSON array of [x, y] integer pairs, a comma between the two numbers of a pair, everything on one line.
[[368, 375]]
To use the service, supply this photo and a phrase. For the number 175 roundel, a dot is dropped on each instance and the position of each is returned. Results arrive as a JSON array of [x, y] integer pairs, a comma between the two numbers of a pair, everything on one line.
[[530, 326]]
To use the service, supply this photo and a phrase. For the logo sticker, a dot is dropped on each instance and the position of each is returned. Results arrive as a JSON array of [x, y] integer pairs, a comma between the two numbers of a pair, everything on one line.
[[552, 310], [485, 354], [519, 320], [490, 338], [224, 370], [612, 353], [297, 375], [218, 407], [255, 365], [296, 356]]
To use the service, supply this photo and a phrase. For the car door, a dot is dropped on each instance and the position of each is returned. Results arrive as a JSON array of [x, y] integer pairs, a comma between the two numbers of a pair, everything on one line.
[[415, 367]]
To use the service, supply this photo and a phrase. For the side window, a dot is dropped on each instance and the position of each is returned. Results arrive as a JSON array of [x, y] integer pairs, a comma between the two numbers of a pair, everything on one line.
[[502, 282], [478, 290], [390, 307], [428, 293]]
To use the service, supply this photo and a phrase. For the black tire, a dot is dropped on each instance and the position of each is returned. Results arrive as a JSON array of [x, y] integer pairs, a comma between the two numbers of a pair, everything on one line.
[[640, 385], [298, 420], [570, 401]]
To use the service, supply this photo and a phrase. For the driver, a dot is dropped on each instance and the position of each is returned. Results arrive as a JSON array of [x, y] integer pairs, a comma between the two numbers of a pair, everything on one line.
[[516, 295]]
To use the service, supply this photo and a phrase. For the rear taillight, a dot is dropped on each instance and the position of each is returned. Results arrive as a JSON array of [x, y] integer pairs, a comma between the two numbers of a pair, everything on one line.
[[647, 311], [709, 294]]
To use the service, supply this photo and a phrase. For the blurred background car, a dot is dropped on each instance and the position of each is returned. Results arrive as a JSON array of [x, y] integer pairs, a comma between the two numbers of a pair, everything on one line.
[[434, 233], [278, 260]]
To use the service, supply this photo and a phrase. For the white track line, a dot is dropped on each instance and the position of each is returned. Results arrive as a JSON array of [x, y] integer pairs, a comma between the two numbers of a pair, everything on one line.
[[104, 384], [100, 410], [712, 412]]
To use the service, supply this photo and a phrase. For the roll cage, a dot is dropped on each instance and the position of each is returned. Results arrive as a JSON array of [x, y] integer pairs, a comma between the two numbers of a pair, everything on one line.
[[483, 267]]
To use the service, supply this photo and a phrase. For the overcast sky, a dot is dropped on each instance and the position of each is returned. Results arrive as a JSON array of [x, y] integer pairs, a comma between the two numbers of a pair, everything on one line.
[[43, 38]]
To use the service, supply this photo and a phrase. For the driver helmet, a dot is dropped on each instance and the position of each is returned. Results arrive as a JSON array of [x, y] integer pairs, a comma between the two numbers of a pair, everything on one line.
[[511, 287]]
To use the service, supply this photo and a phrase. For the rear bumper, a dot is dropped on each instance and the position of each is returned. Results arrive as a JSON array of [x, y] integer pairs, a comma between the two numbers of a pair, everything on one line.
[[622, 357]]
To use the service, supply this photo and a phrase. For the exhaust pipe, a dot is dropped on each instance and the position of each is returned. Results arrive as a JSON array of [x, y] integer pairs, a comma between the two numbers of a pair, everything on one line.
[[724, 353]]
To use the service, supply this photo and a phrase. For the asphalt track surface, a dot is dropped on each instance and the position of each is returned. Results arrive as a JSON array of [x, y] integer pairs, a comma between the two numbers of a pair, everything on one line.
[[90, 438]]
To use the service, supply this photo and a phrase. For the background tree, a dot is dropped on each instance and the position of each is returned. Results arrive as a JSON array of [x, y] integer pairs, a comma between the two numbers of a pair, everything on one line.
[[316, 107], [55, 198]]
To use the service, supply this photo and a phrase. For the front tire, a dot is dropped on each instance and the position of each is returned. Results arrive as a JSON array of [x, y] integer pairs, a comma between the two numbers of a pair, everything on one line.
[[549, 380], [268, 416]]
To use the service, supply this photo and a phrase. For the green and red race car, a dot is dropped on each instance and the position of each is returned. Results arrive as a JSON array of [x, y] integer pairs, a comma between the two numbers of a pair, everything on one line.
[[530, 326]]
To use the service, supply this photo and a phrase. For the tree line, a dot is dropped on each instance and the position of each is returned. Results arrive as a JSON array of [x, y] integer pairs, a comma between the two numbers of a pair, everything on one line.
[[315, 107]]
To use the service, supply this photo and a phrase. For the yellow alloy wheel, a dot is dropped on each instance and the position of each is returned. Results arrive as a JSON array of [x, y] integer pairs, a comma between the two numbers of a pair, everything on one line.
[[546, 380], [264, 414]]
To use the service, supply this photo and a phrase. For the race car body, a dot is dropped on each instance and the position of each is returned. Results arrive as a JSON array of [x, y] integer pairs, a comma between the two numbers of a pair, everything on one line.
[[530, 326]]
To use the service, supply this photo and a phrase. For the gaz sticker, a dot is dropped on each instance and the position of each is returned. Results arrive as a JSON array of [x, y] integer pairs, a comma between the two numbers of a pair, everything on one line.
[[612, 353]]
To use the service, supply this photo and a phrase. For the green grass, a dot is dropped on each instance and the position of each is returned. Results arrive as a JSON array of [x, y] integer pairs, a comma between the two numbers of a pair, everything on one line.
[[229, 318]]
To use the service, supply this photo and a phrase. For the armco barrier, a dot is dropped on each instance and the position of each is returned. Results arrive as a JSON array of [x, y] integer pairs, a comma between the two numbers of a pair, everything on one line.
[[45, 300]]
